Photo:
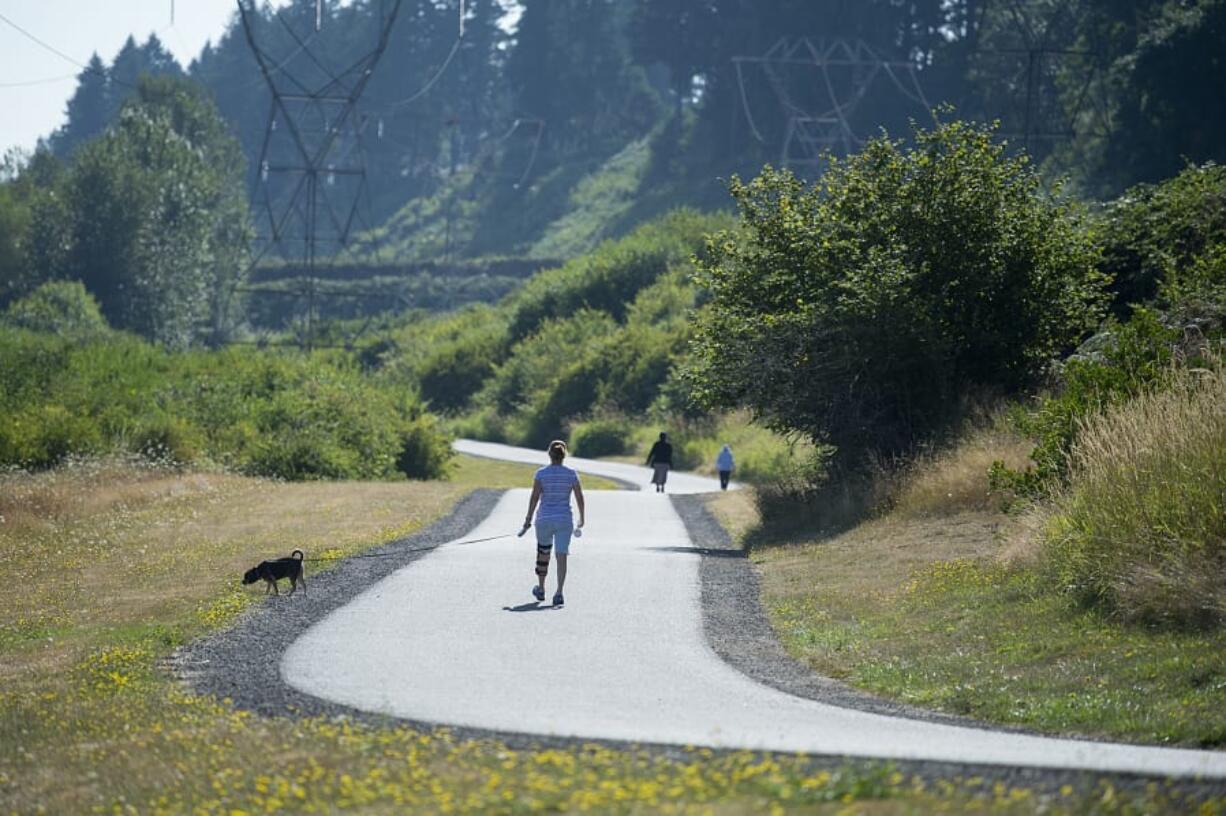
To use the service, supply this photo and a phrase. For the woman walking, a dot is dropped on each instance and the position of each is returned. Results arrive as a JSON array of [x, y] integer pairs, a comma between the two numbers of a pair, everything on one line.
[[551, 489], [660, 460], [724, 464]]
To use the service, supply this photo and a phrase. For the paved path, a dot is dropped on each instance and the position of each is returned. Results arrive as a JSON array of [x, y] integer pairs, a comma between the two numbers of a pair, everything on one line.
[[455, 639], [633, 475]]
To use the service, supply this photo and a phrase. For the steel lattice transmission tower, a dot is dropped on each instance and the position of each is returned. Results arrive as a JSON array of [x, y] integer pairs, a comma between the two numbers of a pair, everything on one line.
[[819, 84], [311, 174]]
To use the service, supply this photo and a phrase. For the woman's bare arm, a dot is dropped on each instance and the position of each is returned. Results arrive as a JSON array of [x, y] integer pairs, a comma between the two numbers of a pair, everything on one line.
[[579, 501], [536, 496]]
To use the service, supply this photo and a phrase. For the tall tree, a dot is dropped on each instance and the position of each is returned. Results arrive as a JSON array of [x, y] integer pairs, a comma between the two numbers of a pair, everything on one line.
[[1171, 107], [89, 110], [571, 67], [34, 236], [154, 214], [131, 63]]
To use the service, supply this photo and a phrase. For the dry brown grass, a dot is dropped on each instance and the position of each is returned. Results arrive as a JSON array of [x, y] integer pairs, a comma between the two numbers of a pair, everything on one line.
[[867, 563], [107, 544], [956, 480], [1141, 530]]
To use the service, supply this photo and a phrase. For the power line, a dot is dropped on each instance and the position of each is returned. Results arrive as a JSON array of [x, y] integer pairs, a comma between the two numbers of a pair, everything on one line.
[[48, 46], [818, 115], [424, 89], [29, 82], [103, 72]]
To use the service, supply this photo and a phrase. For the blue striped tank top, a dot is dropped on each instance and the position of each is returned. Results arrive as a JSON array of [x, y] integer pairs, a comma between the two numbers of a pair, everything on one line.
[[556, 482]]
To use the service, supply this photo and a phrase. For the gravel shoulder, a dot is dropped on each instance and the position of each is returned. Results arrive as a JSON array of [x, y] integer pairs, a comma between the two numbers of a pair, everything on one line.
[[738, 629]]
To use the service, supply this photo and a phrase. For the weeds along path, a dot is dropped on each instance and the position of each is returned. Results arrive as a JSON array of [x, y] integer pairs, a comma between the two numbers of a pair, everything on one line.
[[455, 638]]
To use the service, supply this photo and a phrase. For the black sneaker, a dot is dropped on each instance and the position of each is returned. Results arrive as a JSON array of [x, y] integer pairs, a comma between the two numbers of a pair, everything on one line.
[[557, 599], [538, 593]]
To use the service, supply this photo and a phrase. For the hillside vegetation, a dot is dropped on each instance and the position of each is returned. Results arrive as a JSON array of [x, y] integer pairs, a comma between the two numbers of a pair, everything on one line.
[[1054, 561], [73, 387]]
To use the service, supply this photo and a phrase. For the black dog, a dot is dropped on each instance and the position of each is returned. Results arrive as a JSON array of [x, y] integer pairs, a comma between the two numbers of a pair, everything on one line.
[[275, 570]]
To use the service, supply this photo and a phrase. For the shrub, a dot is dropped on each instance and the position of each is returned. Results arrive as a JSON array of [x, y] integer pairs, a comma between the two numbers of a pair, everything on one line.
[[424, 450], [484, 423], [1154, 233], [1120, 362], [530, 375], [1141, 531], [265, 413], [455, 371], [302, 456], [63, 308], [169, 439], [857, 311], [450, 357], [600, 437], [608, 278], [45, 435]]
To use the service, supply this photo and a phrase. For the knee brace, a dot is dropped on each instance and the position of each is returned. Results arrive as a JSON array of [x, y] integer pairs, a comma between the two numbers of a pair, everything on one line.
[[542, 560]]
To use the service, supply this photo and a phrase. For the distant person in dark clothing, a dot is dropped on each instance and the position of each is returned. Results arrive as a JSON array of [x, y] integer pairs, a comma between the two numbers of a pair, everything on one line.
[[724, 464], [660, 458]]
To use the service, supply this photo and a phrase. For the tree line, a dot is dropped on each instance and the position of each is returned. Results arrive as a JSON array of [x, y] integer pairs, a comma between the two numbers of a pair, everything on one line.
[[142, 192], [1117, 93]]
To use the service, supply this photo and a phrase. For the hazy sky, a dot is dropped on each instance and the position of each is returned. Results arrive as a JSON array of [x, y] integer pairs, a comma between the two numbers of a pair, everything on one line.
[[35, 83]]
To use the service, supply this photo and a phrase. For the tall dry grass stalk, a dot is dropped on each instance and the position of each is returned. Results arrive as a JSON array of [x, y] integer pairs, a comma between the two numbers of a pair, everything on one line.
[[1142, 529], [956, 480]]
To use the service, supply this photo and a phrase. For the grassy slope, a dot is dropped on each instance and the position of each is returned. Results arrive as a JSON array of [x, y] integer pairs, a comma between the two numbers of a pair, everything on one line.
[[557, 212], [924, 604], [108, 567]]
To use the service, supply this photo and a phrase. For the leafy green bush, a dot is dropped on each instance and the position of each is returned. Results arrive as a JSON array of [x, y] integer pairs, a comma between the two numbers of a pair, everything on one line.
[[449, 357], [608, 278], [1141, 532], [59, 307], [262, 413], [1154, 234], [168, 439], [483, 423], [857, 311], [455, 371], [424, 452], [600, 437], [550, 376], [1119, 363], [45, 436], [603, 334]]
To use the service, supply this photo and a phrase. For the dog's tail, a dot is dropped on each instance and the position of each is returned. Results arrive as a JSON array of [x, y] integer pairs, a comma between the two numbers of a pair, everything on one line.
[[301, 555]]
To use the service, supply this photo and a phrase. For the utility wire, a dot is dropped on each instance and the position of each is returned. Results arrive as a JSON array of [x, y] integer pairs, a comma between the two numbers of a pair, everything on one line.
[[29, 82], [62, 55], [423, 90], [43, 43]]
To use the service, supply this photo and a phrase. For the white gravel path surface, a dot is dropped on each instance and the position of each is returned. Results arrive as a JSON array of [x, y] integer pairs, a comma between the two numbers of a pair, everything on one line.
[[456, 639]]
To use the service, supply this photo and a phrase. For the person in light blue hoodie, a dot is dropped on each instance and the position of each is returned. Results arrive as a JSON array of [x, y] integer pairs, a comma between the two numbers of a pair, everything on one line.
[[724, 464]]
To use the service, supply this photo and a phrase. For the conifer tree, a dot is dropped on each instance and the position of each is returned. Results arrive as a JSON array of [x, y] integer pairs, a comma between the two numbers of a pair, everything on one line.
[[88, 111]]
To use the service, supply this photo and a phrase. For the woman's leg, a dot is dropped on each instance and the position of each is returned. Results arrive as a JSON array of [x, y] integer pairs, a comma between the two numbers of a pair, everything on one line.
[[561, 571], [544, 543]]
